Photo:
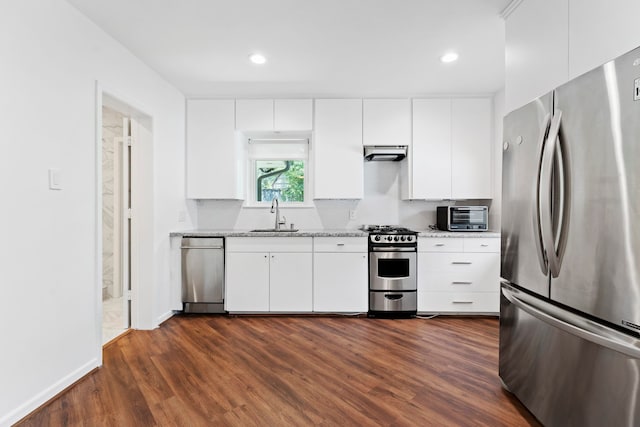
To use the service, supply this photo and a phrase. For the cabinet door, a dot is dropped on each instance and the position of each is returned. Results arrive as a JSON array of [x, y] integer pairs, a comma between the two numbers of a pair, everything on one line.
[[537, 46], [293, 115], [386, 122], [600, 31], [338, 156], [213, 155], [247, 284], [254, 114], [291, 282], [340, 282], [471, 148], [431, 150]]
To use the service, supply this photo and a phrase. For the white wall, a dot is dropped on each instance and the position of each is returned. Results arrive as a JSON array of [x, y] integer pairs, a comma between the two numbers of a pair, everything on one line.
[[381, 205], [52, 57]]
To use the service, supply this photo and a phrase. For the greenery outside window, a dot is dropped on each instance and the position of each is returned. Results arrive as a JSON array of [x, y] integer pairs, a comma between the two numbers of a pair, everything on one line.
[[283, 179], [278, 169]]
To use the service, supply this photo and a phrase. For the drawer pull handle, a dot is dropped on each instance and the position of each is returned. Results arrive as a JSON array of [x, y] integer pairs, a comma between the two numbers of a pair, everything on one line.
[[439, 244], [461, 262], [462, 302], [340, 244], [461, 283], [484, 245]]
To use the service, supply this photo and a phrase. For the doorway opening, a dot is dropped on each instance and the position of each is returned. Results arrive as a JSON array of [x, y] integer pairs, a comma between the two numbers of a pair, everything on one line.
[[124, 218], [116, 223]]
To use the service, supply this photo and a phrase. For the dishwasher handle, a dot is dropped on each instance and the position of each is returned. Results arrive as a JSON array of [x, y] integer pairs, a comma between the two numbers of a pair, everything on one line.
[[201, 247]]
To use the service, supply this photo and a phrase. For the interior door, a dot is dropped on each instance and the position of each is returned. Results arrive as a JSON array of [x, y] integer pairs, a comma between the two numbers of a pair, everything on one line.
[[522, 260], [599, 272]]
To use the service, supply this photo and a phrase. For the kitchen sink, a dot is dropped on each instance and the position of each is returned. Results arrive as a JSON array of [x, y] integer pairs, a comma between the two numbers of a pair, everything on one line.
[[273, 230]]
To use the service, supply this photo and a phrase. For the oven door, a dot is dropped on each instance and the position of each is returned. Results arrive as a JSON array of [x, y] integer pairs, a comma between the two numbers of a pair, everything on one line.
[[392, 271]]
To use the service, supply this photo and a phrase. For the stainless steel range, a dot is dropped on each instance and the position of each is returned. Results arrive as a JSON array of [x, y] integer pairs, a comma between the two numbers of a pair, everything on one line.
[[392, 271]]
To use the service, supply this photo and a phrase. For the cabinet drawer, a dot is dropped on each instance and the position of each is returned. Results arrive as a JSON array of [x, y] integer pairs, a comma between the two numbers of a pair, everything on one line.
[[465, 263], [481, 244], [269, 244], [461, 282], [458, 302], [340, 244], [440, 244], [462, 272]]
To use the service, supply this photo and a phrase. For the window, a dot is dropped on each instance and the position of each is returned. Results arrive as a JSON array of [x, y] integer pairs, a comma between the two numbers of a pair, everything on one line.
[[283, 179], [278, 168]]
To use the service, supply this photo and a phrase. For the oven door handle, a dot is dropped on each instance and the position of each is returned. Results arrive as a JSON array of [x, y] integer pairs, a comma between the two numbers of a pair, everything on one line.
[[392, 249]]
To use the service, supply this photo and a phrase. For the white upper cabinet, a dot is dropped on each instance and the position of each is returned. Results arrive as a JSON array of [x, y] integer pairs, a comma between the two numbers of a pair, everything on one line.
[[537, 46], [450, 157], [293, 115], [274, 115], [471, 148], [600, 31], [338, 156], [549, 42], [386, 122], [431, 151], [215, 160], [254, 114]]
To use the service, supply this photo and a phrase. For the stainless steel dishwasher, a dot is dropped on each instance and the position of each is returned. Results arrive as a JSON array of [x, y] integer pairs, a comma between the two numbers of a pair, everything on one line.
[[202, 274]]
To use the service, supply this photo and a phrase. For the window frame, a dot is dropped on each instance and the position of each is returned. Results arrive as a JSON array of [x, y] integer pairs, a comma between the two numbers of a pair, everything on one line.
[[252, 196]]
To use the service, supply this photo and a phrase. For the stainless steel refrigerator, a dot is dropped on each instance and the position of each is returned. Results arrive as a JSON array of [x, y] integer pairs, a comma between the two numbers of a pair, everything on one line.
[[570, 293]]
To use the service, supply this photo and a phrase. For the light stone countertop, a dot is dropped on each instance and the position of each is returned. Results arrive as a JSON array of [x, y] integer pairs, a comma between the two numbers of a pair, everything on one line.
[[466, 234], [247, 233], [324, 233]]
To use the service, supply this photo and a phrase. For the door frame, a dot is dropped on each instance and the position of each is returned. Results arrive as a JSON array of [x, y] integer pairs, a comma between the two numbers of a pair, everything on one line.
[[142, 204]]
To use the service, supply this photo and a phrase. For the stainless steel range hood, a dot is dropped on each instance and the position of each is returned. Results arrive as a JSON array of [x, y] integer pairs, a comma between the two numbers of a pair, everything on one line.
[[393, 153]]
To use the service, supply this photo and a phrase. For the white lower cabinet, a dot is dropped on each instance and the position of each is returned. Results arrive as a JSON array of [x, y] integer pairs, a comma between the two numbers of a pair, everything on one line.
[[340, 274], [464, 281], [290, 282], [247, 284], [266, 274]]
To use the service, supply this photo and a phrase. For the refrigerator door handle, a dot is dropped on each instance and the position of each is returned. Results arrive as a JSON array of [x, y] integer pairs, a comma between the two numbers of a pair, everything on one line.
[[561, 203], [573, 324], [544, 194], [544, 130]]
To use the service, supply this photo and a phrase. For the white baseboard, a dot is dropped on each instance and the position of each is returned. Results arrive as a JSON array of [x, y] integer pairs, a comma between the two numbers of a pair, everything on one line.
[[164, 317], [47, 394]]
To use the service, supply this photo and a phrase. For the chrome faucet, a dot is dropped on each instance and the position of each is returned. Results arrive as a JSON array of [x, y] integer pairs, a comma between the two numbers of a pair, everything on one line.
[[279, 222]]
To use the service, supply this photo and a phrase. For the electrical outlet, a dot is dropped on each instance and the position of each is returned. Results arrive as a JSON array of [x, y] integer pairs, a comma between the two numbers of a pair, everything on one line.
[[352, 214], [636, 90]]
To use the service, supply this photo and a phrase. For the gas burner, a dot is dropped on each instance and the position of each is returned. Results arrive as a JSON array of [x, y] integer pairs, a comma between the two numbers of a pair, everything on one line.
[[387, 229], [390, 234]]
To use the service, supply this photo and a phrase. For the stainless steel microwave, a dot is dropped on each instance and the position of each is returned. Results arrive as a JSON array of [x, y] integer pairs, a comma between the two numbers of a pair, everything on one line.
[[462, 218]]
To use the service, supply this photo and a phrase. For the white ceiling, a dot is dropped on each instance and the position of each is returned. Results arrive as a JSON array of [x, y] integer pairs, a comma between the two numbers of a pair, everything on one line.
[[314, 47]]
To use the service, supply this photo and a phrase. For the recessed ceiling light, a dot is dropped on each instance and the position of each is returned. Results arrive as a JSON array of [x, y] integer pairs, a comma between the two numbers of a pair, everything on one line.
[[449, 57], [257, 58]]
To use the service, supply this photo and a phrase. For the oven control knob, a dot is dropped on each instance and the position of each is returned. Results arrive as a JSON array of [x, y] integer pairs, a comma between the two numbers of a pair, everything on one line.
[[377, 238], [409, 238], [402, 238], [389, 238], [396, 238]]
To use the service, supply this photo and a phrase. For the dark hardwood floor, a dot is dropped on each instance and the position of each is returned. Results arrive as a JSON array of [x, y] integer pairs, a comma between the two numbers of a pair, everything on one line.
[[295, 371]]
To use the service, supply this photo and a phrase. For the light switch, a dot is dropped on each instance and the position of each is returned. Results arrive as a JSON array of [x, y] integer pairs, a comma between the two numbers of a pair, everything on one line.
[[55, 178]]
